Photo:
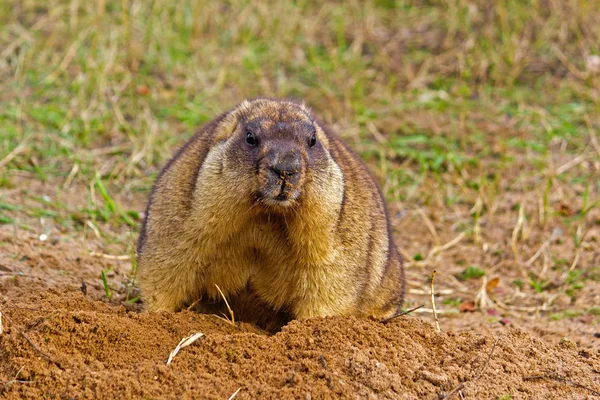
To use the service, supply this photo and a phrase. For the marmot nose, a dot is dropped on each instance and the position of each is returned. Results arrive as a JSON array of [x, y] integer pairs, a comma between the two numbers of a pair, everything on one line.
[[286, 165]]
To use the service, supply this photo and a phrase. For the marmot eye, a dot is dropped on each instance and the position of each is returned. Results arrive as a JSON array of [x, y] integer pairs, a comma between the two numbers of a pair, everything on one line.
[[250, 139], [313, 140]]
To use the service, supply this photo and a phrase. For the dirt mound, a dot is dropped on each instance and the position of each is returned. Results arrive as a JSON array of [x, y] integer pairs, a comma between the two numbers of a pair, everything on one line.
[[95, 350]]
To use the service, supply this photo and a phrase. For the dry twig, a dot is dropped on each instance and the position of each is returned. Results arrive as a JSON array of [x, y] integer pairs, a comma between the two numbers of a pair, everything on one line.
[[194, 304], [19, 274], [518, 229], [436, 250], [110, 256], [15, 152], [15, 380], [435, 317], [482, 298], [555, 234], [71, 176], [570, 164], [401, 314]]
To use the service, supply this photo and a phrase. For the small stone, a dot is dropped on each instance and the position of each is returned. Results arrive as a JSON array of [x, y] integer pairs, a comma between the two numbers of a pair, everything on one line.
[[436, 379]]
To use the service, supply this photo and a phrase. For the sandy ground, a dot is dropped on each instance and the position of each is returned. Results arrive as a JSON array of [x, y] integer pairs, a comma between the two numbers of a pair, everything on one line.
[[85, 348], [63, 338]]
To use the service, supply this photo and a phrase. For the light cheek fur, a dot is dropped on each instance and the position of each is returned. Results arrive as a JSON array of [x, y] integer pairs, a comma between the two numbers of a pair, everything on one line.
[[329, 254]]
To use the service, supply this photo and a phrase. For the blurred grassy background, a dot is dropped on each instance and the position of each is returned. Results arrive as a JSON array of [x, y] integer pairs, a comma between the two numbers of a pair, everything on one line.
[[134, 77], [474, 114]]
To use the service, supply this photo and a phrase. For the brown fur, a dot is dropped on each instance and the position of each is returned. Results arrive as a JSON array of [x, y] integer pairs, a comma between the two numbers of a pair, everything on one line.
[[286, 229]]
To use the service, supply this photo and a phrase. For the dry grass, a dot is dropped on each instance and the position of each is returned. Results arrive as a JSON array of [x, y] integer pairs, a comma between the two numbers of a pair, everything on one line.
[[480, 119], [186, 341], [232, 320]]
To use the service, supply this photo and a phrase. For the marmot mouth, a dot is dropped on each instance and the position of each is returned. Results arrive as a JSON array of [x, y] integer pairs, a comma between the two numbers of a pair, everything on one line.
[[277, 190], [284, 196], [277, 202], [281, 196]]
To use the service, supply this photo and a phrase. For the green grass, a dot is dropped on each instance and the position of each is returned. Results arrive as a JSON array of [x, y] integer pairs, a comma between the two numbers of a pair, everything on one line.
[[472, 272], [463, 108], [107, 289], [567, 314]]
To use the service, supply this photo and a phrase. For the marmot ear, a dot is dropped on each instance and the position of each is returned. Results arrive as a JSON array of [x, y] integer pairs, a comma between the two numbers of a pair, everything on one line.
[[305, 108], [229, 123]]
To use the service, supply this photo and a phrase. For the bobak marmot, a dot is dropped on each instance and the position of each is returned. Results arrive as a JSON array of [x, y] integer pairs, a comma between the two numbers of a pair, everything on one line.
[[272, 207]]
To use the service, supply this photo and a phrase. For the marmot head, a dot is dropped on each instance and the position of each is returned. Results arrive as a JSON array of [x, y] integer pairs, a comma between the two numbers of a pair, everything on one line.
[[275, 148]]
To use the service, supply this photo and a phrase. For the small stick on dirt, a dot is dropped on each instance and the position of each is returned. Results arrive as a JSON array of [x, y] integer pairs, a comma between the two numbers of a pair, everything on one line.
[[435, 317], [562, 380], [461, 385], [577, 160], [518, 229], [193, 304], [110, 256], [235, 394], [15, 152], [15, 380], [575, 261], [227, 304], [19, 274], [46, 356], [569, 65], [439, 312], [95, 229], [1, 327], [439, 249], [477, 210], [329, 379], [71, 176], [7, 384], [402, 314], [543, 247], [482, 298], [186, 341]]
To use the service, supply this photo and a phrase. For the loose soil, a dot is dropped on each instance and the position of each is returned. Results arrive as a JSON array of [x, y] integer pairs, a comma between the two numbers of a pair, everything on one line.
[[95, 350], [63, 338]]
